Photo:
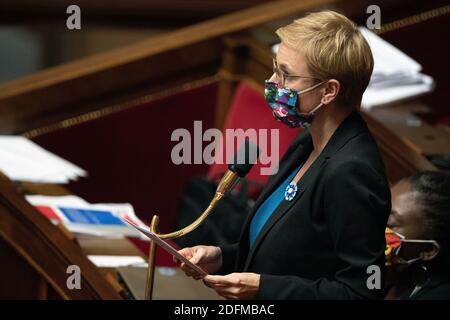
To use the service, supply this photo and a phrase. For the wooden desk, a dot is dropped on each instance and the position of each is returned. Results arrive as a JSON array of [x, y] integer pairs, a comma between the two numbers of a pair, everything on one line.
[[402, 119], [130, 283], [36, 255]]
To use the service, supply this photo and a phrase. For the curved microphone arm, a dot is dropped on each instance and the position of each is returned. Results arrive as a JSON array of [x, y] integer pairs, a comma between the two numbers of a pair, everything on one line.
[[227, 182]]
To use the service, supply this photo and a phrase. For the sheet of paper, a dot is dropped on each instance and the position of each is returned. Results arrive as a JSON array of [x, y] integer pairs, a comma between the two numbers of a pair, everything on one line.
[[374, 97], [117, 261], [23, 160], [167, 247], [396, 76], [388, 59], [69, 200]]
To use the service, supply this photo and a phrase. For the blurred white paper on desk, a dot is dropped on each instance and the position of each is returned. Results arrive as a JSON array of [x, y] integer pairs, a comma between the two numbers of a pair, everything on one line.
[[69, 200], [118, 261], [79, 216], [396, 76], [23, 160]]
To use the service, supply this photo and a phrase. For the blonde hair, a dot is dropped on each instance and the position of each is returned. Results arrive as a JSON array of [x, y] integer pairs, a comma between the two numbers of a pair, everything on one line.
[[334, 49]]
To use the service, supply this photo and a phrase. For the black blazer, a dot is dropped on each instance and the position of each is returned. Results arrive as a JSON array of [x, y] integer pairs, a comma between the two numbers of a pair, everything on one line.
[[319, 245], [436, 287]]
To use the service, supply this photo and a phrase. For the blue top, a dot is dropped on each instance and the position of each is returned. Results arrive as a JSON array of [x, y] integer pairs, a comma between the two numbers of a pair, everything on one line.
[[267, 208]]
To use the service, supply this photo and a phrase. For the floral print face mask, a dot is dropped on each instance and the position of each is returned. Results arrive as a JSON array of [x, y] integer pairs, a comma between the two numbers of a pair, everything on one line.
[[283, 102]]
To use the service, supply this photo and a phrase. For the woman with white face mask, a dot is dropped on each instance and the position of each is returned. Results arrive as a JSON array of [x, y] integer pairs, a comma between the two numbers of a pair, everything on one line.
[[319, 224], [420, 216]]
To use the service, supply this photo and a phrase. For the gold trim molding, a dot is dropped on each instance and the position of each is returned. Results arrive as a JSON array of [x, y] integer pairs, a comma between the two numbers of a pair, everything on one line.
[[415, 19], [120, 107]]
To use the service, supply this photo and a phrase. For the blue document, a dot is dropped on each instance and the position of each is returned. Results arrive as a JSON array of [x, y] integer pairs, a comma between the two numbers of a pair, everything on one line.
[[95, 217]]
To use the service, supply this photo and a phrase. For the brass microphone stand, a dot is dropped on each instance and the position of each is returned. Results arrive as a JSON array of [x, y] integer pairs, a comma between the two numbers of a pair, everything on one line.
[[227, 182]]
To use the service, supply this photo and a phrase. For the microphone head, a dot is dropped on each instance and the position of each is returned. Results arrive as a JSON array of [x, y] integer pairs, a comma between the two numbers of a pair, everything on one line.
[[244, 159]]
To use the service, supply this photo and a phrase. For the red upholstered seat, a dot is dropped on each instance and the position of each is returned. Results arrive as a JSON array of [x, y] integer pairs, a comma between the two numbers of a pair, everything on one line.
[[249, 110]]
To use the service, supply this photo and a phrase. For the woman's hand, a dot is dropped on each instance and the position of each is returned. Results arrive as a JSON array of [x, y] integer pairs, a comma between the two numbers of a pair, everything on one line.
[[235, 285], [208, 258]]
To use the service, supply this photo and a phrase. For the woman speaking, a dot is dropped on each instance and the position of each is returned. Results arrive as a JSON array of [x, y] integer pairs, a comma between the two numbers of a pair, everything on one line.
[[319, 223]]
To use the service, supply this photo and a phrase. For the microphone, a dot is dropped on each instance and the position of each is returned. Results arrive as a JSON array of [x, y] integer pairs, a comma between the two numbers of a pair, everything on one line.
[[244, 159], [239, 166]]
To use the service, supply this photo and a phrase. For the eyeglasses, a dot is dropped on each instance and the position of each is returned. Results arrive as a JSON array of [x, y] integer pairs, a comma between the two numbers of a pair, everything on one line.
[[282, 76]]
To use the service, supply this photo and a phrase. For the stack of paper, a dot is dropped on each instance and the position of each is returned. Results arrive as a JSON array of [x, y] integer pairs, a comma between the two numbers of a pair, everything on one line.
[[396, 77], [23, 160], [79, 216]]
